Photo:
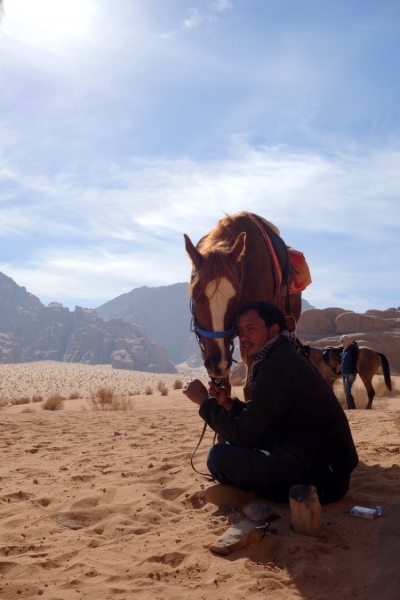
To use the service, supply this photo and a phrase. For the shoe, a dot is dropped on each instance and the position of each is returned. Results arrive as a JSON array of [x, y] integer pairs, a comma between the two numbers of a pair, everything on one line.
[[350, 402], [227, 496]]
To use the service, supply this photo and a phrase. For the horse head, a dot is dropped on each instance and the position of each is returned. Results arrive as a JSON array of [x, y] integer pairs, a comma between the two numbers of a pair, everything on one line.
[[215, 292]]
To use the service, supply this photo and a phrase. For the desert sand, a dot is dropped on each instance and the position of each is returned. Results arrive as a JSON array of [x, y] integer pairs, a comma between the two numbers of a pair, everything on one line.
[[104, 505]]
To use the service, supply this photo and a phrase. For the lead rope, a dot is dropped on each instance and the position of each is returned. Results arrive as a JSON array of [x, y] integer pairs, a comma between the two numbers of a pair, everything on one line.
[[195, 450]]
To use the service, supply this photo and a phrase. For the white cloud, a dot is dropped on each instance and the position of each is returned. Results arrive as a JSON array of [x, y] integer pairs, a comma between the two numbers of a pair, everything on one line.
[[194, 20], [341, 211], [221, 5]]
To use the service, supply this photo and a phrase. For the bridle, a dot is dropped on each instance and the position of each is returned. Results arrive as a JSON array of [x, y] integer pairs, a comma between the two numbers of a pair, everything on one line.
[[199, 331]]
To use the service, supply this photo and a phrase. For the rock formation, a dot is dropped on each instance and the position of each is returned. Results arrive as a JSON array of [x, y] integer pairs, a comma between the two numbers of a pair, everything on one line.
[[30, 331], [378, 329]]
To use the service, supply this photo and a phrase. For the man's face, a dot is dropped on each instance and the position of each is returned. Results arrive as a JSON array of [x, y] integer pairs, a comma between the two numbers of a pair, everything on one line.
[[253, 333], [345, 342]]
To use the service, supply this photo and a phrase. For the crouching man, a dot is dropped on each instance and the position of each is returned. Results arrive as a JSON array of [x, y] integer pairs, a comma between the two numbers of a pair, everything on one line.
[[291, 431]]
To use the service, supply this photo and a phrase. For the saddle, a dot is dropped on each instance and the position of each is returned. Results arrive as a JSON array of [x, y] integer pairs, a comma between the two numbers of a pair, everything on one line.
[[289, 265], [332, 357]]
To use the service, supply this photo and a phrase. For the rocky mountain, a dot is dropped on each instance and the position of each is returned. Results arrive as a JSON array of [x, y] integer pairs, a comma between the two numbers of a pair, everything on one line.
[[162, 311], [379, 329], [165, 314], [30, 331]]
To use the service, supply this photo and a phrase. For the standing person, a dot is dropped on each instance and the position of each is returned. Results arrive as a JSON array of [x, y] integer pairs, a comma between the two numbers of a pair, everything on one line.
[[350, 355], [291, 431]]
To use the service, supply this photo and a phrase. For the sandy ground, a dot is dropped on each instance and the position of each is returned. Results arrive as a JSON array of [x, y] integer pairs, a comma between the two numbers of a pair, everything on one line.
[[123, 479]]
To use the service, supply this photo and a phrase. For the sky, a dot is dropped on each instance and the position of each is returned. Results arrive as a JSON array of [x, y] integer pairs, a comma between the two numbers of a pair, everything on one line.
[[125, 124]]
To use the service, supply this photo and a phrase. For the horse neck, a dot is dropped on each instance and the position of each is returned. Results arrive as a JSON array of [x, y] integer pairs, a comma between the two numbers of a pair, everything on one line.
[[257, 280], [255, 268]]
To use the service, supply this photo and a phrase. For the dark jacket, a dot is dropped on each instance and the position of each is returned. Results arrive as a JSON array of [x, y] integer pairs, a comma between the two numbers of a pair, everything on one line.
[[294, 414], [349, 359]]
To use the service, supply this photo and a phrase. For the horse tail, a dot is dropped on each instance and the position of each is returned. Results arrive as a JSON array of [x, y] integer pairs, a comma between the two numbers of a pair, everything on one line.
[[386, 370]]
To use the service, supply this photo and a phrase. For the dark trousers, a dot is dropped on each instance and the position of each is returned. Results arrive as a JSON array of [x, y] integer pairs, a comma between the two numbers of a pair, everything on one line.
[[251, 469], [248, 469]]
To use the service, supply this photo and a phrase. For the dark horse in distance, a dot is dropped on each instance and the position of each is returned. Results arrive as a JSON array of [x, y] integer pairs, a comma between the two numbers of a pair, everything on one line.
[[328, 360]]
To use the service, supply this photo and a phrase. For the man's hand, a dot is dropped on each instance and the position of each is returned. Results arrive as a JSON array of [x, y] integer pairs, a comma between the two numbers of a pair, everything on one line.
[[220, 394], [351, 377], [196, 391]]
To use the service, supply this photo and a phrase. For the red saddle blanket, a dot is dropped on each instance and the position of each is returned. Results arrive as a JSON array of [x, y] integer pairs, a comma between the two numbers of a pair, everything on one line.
[[290, 266]]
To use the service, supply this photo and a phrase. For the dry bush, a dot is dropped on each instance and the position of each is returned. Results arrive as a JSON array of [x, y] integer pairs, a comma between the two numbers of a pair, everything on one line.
[[124, 404], [136, 393], [148, 390], [18, 401], [53, 403], [359, 392], [162, 388], [121, 403], [37, 399], [178, 384], [3, 402], [74, 396], [381, 389], [104, 398], [28, 409], [237, 381]]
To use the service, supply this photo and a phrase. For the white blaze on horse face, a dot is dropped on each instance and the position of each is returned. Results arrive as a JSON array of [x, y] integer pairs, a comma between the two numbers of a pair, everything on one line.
[[219, 298]]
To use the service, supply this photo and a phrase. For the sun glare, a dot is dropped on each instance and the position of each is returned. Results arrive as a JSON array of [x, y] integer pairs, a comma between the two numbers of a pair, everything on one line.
[[56, 19]]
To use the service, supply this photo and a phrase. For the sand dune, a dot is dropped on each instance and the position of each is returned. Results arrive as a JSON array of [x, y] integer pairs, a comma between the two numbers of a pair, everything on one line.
[[97, 504]]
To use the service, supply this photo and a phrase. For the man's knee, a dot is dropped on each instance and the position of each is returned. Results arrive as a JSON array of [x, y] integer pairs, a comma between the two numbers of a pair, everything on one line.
[[216, 457]]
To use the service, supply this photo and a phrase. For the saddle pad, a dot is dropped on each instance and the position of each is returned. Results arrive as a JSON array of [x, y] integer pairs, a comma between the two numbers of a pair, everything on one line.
[[301, 276]]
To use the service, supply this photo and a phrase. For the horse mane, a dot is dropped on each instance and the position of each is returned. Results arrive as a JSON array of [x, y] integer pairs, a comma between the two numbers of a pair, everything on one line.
[[220, 239], [215, 247]]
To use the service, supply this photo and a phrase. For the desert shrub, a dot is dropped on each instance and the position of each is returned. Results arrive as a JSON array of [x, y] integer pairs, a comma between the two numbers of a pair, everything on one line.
[[3, 402], [37, 398], [124, 404], [53, 403], [380, 387], [136, 393], [178, 384], [104, 397], [74, 396], [162, 388], [148, 390], [18, 401], [28, 409], [116, 403]]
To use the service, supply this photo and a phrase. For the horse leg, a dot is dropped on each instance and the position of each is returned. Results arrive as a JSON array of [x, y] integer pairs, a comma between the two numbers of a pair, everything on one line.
[[367, 381]]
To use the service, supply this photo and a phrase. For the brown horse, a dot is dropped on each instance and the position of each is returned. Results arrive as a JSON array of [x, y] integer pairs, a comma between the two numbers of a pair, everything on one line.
[[232, 265], [367, 365]]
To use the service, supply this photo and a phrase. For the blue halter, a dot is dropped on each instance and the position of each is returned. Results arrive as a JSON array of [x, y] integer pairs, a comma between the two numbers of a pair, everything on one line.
[[197, 330]]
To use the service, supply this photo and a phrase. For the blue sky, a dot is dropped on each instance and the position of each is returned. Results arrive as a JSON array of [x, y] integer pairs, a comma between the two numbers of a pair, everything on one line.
[[125, 124]]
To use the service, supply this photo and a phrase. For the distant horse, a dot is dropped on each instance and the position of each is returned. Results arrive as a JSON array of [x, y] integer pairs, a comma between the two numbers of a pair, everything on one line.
[[367, 365], [232, 265]]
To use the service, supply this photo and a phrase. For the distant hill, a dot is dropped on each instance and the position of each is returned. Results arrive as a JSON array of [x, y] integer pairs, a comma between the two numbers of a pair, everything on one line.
[[306, 305], [30, 331], [162, 311], [165, 315]]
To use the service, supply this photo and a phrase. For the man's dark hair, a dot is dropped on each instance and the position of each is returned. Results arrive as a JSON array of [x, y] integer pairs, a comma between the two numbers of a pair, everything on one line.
[[269, 313]]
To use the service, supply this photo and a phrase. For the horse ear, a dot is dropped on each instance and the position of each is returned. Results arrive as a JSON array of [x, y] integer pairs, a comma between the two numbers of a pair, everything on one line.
[[238, 248], [196, 257]]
